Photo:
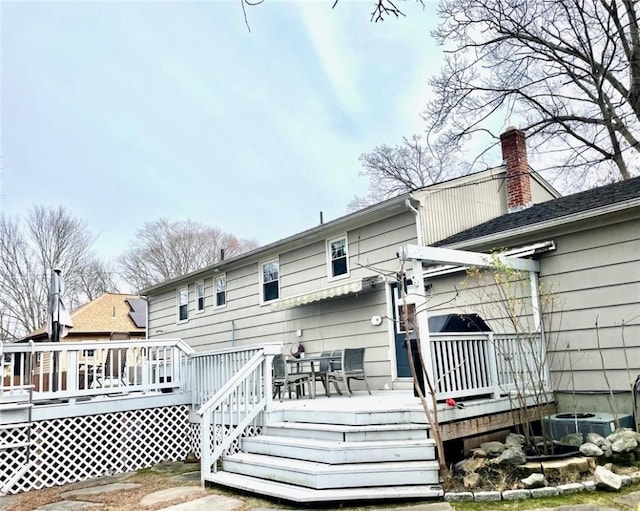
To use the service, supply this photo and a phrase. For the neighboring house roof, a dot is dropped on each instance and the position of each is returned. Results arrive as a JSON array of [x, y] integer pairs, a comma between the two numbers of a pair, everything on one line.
[[601, 200], [111, 312]]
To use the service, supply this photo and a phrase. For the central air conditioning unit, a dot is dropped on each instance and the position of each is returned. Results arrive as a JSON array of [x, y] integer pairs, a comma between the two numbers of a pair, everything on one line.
[[563, 424]]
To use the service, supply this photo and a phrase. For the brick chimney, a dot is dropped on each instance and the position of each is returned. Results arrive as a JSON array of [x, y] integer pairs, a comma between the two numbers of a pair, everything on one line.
[[514, 154]]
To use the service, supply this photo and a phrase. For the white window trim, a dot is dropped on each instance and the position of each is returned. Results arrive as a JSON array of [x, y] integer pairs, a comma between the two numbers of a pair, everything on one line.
[[215, 291], [178, 320], [204, 296], [261, 271], [330, 276]]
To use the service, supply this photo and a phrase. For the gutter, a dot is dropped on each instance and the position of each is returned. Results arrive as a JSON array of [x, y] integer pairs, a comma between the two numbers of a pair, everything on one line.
[[547, 224]]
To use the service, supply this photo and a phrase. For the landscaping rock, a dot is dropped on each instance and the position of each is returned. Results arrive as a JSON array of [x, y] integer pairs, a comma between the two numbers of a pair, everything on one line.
[[493, 448], [565, 469], [512, 456], [596, 438], [516, 494], [591, 449], [547, 491], [487, 496], [607, 480], [479, 453], [534, 481], [459, 496], [564, 489], [574, 439], [514, 439], [625, 442]]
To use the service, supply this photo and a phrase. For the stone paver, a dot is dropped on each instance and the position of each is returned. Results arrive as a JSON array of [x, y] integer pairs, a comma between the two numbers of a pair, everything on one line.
[[93, 490], [187, 477], [576, 507], [217, 502], [170, 494], [631, 499], [7, 501], [69, 505]]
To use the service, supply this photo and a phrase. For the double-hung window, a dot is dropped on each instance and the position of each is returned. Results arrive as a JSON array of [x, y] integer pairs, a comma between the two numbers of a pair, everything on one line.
[[183, 304], [220, 286], [200, 296], [338, 258], [270, 280]]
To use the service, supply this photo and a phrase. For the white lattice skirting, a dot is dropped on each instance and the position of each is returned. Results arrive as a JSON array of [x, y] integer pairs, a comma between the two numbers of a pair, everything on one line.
[[78, 448]]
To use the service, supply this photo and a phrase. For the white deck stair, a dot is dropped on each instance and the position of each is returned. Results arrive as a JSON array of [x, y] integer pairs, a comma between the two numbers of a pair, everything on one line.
[[307, 457]]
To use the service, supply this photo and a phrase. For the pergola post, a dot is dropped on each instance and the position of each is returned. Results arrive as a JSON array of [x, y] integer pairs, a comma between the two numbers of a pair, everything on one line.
[[421, 316]]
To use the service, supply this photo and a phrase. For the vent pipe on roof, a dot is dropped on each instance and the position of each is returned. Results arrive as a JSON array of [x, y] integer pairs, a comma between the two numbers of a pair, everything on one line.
[[222, 254], [321, 218], [514, 154]]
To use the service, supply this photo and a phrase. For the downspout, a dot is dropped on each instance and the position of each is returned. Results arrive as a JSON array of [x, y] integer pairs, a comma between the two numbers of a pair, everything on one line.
[[419, 234]]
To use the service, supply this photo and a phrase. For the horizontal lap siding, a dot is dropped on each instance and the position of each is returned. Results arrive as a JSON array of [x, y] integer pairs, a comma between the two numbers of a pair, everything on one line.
[[597, 273], [326, 325]]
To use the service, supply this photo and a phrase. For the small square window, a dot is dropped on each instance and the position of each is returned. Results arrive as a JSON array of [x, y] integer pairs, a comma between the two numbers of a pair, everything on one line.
[[221, 291], [88, 353], [338, 257], [183, 304], [200, 296], [270, 281]]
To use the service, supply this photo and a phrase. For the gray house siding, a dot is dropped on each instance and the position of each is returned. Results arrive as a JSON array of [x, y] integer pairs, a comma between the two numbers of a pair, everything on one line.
[[595, 274], [325, 325], [447, 210]]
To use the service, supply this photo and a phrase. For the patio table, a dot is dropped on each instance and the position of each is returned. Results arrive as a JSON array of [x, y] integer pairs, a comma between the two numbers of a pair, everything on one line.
[[300, 362]]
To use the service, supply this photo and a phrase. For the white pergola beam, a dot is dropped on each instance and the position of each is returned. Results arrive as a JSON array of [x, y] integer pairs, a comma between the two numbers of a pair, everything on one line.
[[437, 255]]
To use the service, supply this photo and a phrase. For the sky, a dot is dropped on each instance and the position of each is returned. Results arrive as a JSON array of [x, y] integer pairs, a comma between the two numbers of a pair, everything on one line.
[[126, 112]]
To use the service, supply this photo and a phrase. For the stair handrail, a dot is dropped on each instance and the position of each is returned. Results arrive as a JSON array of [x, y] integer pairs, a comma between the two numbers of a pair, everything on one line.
[[250, 408]]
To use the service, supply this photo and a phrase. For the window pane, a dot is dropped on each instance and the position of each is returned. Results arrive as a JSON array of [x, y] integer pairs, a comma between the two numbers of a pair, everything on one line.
[[200, 294], [183, 304], [270, 291], [270, 272], [338, 248], [221, 291], [339, 266]]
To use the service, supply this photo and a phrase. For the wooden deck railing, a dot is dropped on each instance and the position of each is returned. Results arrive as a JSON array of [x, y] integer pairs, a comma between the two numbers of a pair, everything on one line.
[[210, 370], [467, 365], [236, 405], [70, 370]]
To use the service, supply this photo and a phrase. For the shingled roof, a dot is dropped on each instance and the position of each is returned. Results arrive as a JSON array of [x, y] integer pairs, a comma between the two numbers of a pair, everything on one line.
[[551, 210], [110, 312]]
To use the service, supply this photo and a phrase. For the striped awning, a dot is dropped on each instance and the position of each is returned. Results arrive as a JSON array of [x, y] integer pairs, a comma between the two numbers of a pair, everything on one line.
[[327, 293]]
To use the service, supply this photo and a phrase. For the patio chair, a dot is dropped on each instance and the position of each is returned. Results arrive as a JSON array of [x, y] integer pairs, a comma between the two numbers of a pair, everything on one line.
[[283, 378], [113, 369], [325, 367], [351, 367]]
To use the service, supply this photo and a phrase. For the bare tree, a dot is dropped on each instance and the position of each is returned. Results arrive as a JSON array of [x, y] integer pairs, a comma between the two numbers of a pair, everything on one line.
[[407, 166], [566, 71], [29, 251], [163, 250]]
